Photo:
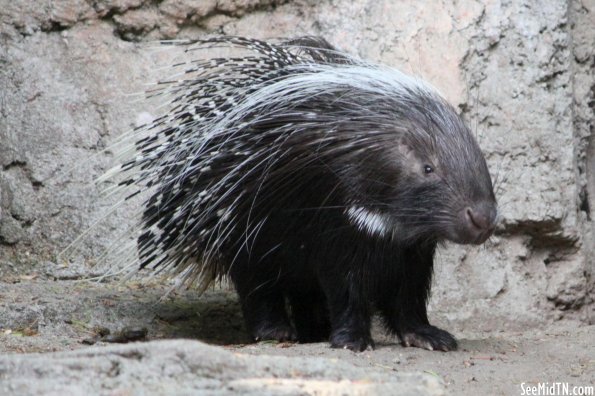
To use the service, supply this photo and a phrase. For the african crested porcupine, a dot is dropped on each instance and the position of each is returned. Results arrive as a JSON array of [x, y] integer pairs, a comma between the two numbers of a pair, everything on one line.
[[319, 183]]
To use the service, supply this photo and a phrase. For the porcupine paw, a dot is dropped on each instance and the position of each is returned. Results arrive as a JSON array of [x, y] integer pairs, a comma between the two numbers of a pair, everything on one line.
[[281, 333], [356, 343], [429, 337]]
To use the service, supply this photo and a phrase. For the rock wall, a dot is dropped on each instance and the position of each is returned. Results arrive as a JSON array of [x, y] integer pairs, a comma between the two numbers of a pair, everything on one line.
[[521, 72]]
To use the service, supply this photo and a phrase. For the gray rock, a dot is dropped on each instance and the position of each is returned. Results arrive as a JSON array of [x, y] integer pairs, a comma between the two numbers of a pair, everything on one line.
[[187, 367], [10, 230]]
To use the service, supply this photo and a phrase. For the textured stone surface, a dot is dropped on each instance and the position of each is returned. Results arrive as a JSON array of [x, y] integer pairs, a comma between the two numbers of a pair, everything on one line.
[[186, 367], [520, 72]]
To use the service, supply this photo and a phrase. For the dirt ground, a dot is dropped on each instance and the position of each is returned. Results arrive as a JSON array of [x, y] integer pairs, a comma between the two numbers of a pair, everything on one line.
[[41, 315]]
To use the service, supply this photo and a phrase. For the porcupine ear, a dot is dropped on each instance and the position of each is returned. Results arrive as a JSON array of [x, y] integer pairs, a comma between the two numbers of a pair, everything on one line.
[[407, 155], [405, 149]]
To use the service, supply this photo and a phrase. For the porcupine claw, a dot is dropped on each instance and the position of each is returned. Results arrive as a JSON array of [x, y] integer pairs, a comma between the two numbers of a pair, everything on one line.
[[429, 337]]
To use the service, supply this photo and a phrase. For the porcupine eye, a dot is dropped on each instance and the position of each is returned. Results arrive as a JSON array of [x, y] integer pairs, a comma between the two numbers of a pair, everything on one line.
[[428, 169]]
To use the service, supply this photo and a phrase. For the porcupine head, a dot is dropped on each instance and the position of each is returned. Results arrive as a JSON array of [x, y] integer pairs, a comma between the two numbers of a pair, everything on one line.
[[430, 182]]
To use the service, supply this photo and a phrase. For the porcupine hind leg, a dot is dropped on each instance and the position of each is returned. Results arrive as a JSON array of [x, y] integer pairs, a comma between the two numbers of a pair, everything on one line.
[[349, 311], [405, 307], [263, 304], [310, 314]]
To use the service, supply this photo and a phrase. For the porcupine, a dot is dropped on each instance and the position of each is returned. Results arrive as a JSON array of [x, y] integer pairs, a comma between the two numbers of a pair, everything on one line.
[[319, 183]]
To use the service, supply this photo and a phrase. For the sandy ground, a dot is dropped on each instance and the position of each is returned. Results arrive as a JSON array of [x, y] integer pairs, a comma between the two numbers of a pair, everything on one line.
[[40, 315]]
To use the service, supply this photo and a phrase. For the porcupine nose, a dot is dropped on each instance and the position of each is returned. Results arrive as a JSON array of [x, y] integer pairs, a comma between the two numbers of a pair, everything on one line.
[[481, 221]]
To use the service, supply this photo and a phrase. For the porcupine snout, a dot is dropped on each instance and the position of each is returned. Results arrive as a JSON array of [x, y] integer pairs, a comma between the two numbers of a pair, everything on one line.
[[479, 221]]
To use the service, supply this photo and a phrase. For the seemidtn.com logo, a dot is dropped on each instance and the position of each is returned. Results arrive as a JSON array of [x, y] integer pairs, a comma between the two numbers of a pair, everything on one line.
[[556, 389]]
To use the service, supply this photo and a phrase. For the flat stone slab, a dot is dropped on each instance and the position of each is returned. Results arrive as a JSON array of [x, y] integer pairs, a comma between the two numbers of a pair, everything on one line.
[[185, 367]]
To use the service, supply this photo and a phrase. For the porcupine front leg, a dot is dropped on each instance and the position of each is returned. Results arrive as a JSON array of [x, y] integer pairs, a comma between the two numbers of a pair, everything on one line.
[[405, 310]]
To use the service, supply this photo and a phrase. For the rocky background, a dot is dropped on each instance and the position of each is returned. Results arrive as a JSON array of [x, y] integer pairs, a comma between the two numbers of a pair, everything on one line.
[[521, 72]]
